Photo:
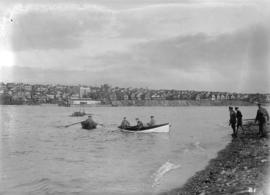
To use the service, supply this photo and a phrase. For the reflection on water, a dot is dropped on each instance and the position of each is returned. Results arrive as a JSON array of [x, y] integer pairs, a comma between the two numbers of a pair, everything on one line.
[[38, 157]]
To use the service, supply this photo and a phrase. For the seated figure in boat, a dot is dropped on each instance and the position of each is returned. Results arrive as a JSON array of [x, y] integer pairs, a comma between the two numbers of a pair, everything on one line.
[[124, 123], [90, 123], [152, 122], [139, 123]]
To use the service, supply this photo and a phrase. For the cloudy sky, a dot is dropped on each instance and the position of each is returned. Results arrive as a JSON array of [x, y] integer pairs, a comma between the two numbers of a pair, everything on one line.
[[220, 45]]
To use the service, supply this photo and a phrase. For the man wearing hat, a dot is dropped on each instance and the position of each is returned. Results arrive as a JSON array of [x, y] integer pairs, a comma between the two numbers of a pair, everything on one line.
[[239, 116], [262, 117], [232, 121], [90, 122]]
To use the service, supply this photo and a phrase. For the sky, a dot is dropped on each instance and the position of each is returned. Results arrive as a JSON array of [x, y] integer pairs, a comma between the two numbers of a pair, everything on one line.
[[220, 45]]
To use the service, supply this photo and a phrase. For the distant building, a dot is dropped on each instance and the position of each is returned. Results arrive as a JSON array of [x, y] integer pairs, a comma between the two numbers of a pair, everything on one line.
[[84, 91], [198, 97], [83, 101], [213, 97]]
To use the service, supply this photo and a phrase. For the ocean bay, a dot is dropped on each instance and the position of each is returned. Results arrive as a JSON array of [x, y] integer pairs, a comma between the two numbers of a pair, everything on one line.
[[106, 161]]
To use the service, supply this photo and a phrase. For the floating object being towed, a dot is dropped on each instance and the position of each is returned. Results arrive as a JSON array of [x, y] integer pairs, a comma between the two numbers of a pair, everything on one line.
[[77, 114], [162, 128]]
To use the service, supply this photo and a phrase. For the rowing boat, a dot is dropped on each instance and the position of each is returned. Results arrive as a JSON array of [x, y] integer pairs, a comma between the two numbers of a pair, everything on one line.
[[86, 125], [162, 128]]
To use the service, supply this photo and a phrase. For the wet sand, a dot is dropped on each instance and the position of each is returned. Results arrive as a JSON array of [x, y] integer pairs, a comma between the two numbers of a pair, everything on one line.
[[240, 168]]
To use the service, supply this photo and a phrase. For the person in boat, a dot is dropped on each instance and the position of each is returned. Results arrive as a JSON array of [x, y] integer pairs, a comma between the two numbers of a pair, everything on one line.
[[152, 121], [232, 121], [124, 123], [262, 117], [239, 116], [90, 123], [139, 123]]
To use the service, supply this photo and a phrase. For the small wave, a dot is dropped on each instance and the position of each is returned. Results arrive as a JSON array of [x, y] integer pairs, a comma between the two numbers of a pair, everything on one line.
[[194, 146], [69, 160], [39, 185], [165, 168]]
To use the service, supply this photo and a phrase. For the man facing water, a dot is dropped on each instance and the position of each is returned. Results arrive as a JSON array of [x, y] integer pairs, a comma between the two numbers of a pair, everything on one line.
[[239, 122], [262, 117], [232, 121]]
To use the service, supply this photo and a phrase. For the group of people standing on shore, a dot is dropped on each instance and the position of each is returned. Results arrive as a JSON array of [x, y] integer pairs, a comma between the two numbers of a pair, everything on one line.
[[236, 121], [125, 123]]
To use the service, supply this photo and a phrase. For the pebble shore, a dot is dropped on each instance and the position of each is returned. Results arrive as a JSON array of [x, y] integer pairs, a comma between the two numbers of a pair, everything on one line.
[[241, 168]]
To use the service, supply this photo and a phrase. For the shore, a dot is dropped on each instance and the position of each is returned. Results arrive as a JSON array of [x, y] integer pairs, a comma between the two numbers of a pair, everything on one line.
[[240, 168]]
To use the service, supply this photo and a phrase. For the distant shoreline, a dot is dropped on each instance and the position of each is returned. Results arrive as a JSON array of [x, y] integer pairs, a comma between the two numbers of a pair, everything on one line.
[[159, 103], [172, 103], [240, 168]]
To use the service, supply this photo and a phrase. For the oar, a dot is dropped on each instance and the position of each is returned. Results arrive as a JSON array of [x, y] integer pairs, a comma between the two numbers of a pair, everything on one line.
[[72, 124]]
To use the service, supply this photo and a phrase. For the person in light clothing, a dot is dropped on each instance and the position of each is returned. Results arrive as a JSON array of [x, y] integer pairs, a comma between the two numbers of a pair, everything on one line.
[[152, 121]]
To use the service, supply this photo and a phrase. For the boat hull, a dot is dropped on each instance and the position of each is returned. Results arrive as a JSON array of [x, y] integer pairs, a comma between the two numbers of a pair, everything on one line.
[[162, 128]]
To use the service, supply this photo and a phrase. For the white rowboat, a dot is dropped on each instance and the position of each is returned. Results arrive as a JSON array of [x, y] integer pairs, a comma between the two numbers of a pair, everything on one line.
[[162, 128]]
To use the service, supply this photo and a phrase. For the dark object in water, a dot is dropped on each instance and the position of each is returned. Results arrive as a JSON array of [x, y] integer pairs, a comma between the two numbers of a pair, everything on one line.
[[86, 125], [78, 113]]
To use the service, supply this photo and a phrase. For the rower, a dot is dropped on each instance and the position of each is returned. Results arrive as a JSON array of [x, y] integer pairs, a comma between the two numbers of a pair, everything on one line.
[[124, 123], [139, 123], [91, 124]]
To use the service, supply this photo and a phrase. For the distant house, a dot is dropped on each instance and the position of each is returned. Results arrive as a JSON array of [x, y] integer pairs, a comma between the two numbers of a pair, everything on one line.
[[139, 96], [222, 97], [198, 97], [50, 96], [155, 97], [133, 96], [113, 96], [84, 91], [126, 96], [213, 97], [2, 91], [267, 98], [147, 96], [218, 97], [232, 97], [27, 87]]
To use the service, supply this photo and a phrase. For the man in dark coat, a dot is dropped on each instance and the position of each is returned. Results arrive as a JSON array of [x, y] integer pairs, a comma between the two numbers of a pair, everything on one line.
[[90, 123], [239, 117], [262, 117], [139, 123], [232, 121]]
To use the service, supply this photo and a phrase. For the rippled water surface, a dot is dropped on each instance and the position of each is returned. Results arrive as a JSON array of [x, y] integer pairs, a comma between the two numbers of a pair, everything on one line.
[[39, 157]]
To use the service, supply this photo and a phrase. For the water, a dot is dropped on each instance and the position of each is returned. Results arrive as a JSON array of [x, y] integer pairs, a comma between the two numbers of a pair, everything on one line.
[[38, 157]]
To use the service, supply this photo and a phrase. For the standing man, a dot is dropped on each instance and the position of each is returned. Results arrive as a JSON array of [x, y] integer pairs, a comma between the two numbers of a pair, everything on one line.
[[232, 121], [262, 117], [239, 122]]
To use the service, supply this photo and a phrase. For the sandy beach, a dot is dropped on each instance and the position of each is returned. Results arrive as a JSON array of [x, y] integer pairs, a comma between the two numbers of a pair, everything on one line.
[[240, 168]]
